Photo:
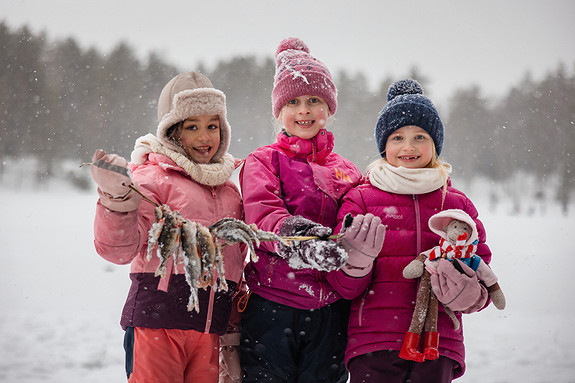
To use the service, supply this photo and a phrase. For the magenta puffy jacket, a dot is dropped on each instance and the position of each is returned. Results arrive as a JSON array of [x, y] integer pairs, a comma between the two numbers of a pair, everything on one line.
[[383, 301], [121, 238], [293, 177]]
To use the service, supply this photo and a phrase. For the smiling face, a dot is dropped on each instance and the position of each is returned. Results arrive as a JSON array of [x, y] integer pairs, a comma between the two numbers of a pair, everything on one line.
[[410, 147], [304, 116], [200, 137]]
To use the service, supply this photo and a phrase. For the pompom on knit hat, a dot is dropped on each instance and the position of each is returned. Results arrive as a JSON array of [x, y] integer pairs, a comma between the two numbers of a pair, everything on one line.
[[191, 94], [406, 105], [298, 73]]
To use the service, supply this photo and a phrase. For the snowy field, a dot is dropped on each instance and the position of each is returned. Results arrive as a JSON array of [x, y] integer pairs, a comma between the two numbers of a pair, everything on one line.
[[61, 302]]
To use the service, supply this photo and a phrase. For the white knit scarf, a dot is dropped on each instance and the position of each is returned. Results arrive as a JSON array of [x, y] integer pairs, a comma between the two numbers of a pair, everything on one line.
[[402, 180], [211, 174]]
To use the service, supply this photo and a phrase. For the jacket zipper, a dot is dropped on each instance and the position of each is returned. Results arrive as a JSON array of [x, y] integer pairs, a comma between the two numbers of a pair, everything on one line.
[[360, 314], [417, 223], [210, 311], [271, 269], [313, 149], [321, 288]]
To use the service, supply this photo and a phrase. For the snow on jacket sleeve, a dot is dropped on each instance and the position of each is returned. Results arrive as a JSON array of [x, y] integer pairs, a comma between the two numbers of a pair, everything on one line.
[[347, 286], [261, 191]]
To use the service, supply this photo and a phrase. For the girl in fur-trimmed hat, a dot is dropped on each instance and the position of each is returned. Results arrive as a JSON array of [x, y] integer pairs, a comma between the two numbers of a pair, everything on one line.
[[294, 325], [186, 166], [408, 185]]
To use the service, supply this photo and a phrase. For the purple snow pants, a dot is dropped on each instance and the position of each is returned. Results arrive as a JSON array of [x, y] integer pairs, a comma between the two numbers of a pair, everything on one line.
[[388, 367]]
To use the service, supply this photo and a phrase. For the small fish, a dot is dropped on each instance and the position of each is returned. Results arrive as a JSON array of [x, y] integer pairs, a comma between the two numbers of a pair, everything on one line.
[[192, 262], [232, 230], [207, 250], [169, 240]]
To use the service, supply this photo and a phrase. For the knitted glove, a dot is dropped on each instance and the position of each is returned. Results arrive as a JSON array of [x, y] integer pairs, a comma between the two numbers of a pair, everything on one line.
[[322, 254], [362, 241], [230, 370], [460, 291], [110, 172]]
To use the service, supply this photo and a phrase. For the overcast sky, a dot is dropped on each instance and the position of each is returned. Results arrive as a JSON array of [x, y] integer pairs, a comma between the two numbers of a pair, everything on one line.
[[491, 43]]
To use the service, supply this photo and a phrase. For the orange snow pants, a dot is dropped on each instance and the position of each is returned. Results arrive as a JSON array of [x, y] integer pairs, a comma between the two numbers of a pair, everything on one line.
[[175, 356]]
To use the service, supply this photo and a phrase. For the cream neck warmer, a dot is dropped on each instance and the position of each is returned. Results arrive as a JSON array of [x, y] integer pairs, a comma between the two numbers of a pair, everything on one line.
[[402, 180], [211, 174]]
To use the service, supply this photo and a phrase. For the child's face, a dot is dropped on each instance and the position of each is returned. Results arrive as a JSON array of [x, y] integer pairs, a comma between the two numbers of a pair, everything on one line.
[[200, 137], [410, 147], [304, 116]]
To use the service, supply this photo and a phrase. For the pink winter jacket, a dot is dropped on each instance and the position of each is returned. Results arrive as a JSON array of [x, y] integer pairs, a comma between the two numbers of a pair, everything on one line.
[[384, 301], [294, 176], [121, 238]]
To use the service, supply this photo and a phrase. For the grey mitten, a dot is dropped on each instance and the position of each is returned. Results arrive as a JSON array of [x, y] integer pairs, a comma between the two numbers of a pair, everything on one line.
[[322, 254]]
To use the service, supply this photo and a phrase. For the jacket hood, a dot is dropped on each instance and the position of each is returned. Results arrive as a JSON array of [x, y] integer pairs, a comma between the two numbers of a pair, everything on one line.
[[191, 94], [439, 221]]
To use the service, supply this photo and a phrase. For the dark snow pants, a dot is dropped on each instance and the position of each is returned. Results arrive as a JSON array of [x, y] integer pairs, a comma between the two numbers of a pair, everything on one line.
[[284, 344], [387, 366]]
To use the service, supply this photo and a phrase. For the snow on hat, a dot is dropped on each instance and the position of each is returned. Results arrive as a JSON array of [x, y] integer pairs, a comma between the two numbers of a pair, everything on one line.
[[187, 95], [439, 221], [406, 105], [298, 73]]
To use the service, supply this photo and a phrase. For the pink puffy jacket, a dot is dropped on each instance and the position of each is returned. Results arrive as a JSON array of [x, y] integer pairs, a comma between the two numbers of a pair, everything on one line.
[[121, 238], [383, 301], [294, 176]]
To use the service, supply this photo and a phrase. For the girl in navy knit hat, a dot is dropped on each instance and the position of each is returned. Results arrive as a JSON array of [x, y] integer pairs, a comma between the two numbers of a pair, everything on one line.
[[405, 188], [294, 326]]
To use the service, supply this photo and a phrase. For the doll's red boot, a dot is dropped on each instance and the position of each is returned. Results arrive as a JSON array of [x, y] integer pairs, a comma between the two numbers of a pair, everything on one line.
[[409, 349], [430, 345]]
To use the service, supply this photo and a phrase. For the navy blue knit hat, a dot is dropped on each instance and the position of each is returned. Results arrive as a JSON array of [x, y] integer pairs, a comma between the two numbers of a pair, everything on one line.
[[406, 105]]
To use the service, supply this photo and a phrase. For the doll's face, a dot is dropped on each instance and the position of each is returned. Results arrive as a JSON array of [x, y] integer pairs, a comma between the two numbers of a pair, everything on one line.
[[457, 228]]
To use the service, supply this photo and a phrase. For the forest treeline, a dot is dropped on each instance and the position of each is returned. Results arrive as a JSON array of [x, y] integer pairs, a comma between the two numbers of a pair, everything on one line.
[[60, 102]]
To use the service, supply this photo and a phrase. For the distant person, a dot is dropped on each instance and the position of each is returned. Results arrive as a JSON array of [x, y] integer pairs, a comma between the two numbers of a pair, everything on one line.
[[186, 166], [404, 189], [294, 326]]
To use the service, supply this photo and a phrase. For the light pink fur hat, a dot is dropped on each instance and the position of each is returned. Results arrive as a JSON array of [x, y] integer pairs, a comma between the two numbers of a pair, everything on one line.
[[298, 73]]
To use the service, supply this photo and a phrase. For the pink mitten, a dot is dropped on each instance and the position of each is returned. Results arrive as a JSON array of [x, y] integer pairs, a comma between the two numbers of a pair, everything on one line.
[[458, 291], [362, 241], [230, 371], [110, 172]]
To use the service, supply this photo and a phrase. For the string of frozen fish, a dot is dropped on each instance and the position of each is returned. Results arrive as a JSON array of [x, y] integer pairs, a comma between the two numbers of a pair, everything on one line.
[[199, 247]]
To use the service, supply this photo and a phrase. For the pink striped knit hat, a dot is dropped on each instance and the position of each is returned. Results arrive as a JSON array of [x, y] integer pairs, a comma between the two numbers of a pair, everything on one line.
[[298, 73]]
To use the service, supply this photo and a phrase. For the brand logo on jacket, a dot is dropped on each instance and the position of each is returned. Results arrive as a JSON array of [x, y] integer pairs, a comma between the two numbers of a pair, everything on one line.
[[341, 175], [392, 212]]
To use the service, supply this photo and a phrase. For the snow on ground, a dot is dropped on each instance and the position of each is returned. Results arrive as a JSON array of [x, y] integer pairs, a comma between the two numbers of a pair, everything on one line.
[[61, 302]]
